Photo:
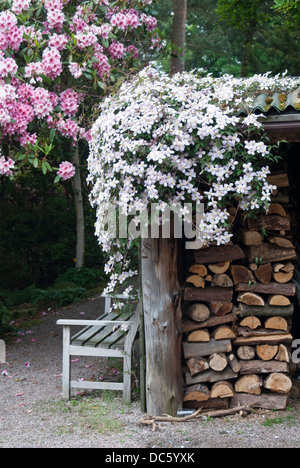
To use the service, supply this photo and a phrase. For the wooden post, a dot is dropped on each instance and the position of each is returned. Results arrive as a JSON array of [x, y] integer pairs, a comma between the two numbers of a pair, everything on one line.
[[162, 319], [142, 337]]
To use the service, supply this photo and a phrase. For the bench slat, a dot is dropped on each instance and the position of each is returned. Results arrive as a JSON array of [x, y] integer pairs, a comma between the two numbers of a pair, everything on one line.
[[81, 334], [111, 339]]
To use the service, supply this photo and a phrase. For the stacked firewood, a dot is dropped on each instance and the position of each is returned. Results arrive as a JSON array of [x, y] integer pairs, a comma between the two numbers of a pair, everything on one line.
[[238, 306]]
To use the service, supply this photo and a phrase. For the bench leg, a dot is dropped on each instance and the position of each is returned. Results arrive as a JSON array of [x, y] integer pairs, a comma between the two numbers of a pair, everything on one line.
[[127, 376], [66, 362]]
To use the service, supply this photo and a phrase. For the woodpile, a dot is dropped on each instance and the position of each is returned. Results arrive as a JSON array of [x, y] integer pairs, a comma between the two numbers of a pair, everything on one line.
[[238, 307]]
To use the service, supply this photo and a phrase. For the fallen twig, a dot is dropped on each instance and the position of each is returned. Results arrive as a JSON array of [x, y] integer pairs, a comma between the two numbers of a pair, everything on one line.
[[153, 420], [167, 418], [227, 412]]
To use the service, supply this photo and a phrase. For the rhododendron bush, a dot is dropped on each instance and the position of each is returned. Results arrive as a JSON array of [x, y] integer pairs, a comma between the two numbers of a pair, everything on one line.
[[57, 58], [176, 140]]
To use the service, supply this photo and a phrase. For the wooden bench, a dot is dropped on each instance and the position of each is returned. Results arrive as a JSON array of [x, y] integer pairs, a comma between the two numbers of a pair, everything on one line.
[[102, 337]]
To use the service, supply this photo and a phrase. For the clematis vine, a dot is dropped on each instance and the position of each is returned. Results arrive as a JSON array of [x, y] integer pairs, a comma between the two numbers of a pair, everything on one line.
[[189, 138]]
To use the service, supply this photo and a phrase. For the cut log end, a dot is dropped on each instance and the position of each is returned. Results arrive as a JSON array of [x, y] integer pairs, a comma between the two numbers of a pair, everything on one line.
[[278, 383], [251, 299]]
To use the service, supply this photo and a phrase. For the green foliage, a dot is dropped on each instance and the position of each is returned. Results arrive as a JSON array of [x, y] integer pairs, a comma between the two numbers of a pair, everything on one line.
[[51, 297], [68, 288], [81, 277], [38, 235], [221, 34]]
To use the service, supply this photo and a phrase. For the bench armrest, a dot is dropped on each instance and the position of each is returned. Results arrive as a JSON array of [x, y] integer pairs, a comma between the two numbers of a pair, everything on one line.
[[98, 323]]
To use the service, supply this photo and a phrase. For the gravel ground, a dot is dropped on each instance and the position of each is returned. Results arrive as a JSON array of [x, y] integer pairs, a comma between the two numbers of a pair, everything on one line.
[[33, 415]]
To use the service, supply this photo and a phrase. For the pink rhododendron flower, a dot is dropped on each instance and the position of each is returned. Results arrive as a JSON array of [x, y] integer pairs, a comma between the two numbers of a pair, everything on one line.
[[52, 62], [58, 41], [41, 102], [102, 66], [28, 139], [125, 20], [7, 21], [8, 66], [149, 21], [116, 50], [69, 128], [6, 166], [18, 6], [66, 170], [76, 70], [85, 40], [69, 102]]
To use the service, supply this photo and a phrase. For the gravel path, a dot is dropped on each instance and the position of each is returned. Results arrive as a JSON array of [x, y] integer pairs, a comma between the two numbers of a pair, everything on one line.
[[33, 415]]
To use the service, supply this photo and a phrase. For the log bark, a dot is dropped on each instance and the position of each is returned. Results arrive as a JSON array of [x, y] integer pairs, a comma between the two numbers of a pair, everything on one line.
[[221, 253], [280, 180], [255, 340], [278, 383], [210, 376], [211, 404], [211, 294], [234, 363], [267, 401], [263, 367], [189, 325], [266, 311], [288, 289], [163, 327], [206, 349], [245, 331], [198, 312], [270, 253], [268, 222], [250, 383]]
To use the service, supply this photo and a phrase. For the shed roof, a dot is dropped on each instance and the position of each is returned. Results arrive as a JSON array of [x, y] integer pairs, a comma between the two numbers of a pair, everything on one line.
[[281, 115], [278, 102]]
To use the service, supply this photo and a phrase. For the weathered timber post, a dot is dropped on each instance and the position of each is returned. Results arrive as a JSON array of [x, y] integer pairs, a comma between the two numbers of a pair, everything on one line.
[[162, 319]]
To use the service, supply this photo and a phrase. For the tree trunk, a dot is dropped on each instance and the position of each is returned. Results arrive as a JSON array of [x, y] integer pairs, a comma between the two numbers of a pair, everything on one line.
[[247, 46], [163, 328], [78, 201], [178, 36]]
